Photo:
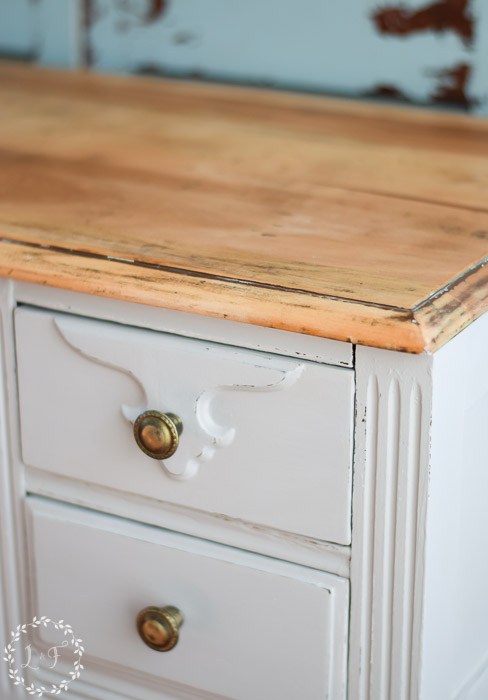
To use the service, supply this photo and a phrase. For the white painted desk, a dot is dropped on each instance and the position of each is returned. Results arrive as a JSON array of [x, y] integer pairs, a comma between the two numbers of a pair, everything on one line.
[[268, 273]]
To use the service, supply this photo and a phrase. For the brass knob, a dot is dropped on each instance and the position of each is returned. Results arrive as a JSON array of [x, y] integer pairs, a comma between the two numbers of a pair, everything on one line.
[[158, 434], [159, 627]]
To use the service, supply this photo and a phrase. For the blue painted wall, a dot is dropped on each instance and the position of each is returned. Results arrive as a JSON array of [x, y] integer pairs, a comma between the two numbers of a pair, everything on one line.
[[416, 50]]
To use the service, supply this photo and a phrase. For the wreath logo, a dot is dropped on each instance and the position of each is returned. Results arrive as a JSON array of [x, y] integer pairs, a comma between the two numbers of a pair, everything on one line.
[[69, 641]]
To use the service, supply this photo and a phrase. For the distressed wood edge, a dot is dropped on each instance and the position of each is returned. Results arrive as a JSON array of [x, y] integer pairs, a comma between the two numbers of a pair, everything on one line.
[[425, 328], [188, 325], [348, 321], [454, 307]]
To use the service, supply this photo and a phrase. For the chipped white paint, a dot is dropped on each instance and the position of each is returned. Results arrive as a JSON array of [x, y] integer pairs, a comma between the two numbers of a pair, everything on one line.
[[390, 495], [187, 325], [418, 578]]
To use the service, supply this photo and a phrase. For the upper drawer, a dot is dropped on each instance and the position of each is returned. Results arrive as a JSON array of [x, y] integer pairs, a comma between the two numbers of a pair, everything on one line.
[[266, 439]]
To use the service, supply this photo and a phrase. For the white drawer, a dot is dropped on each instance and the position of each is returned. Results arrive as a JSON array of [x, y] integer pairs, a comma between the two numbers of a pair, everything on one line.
[[266, 439], [254, 628]]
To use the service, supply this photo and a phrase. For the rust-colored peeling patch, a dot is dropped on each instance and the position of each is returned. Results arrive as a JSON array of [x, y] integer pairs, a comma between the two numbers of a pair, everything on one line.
[[388, 92], [443, 16], [453, 86], [155, 11], [130, 12]]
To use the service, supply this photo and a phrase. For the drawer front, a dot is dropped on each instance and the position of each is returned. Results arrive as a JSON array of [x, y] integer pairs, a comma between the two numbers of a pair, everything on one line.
[[253, 628], [266, 439]]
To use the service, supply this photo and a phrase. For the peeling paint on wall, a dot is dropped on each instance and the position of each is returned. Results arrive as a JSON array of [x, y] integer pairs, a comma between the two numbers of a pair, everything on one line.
[[128, 13], [444, 16], [156, 9], [143, 11], [453, 86], [389, 92], [417, 51]]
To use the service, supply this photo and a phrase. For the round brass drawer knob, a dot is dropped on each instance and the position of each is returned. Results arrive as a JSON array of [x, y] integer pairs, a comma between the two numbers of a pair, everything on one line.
[[158, 434], [159, 627]]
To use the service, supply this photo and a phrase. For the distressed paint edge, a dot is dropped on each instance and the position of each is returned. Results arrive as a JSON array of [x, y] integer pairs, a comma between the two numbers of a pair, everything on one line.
[[389, 523]]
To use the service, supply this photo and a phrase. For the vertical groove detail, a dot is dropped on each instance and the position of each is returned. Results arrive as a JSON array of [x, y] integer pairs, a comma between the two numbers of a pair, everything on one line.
[[385, 535], [414, 452], [388, 526], [369, 504], [394, 496]]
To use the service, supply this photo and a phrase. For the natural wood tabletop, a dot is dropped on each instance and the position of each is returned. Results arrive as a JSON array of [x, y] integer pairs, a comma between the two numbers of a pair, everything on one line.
[[339, 219]]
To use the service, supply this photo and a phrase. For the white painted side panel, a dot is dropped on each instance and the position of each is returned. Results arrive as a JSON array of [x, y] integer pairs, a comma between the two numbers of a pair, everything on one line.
[[254, 627], [455, 655], [266, 439], [389, 509]]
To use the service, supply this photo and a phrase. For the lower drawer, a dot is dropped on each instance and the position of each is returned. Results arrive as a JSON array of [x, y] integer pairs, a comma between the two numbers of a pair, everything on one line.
[[254, 628]]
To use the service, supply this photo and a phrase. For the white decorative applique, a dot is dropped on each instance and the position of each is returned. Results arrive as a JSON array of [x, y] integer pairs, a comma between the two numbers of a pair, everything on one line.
[[181, 376]]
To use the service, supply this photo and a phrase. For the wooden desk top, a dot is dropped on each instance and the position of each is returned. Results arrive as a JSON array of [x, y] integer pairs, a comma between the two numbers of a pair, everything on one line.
[[328, 217]]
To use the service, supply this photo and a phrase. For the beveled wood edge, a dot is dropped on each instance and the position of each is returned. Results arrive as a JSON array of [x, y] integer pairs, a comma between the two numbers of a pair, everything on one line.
[[447, 312], [422, 329]]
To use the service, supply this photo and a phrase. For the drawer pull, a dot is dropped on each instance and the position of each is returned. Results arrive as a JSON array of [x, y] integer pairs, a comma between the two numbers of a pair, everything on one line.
[[158, 434], [159, 627]]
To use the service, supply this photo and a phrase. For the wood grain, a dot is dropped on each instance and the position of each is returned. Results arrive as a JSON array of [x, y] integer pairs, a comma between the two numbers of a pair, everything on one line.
[[337, 219]]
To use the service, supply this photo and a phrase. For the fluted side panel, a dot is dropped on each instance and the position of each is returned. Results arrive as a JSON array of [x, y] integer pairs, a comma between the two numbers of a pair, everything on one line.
[[391, 476]]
